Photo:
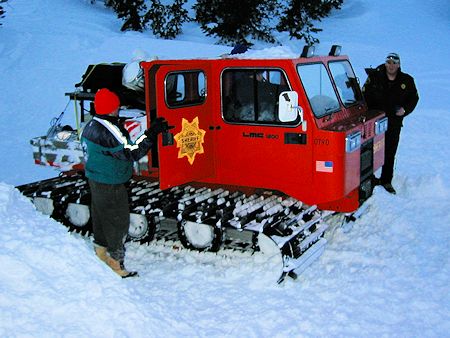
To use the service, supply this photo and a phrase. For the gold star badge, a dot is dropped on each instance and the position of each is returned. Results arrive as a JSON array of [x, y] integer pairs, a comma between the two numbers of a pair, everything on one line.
[[190, 139]]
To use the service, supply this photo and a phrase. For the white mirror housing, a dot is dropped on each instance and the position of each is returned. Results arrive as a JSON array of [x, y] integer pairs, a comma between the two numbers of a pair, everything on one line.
[[288, 108]]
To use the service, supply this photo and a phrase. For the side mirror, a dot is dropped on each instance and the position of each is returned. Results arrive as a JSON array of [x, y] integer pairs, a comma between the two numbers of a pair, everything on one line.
[[288, 108]]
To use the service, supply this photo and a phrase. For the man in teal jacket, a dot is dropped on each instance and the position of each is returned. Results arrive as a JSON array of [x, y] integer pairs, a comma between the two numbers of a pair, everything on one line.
[[109, 156]]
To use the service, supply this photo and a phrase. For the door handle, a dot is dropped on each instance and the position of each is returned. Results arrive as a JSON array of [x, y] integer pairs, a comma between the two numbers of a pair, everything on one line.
[[167, 139]]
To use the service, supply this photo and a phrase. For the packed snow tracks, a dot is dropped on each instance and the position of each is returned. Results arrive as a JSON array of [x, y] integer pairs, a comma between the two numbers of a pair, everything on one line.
[[269, 226]]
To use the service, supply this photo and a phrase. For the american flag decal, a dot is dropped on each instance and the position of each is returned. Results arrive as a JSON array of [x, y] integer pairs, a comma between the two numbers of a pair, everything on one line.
[[324, 166]]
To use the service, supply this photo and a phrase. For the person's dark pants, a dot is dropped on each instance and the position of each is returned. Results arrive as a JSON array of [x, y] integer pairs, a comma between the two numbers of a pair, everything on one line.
[[392, 138], [110, 217]]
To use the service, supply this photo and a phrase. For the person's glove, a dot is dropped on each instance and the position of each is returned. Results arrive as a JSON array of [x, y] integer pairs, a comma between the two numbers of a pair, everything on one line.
[[158, 126]]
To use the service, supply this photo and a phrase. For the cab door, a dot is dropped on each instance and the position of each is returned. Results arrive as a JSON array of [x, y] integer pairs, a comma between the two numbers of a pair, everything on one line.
[[186, 152]]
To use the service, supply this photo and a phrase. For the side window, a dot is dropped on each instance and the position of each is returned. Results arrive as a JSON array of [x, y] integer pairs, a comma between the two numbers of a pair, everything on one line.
[[319, 89], [346, 82], [251, 95], [185, 88]]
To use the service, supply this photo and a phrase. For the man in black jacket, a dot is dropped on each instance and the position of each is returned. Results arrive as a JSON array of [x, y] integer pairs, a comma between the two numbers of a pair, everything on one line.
[[388, 89]]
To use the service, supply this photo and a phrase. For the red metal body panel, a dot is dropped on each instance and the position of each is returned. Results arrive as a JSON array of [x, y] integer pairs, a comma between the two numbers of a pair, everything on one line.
[[180, 168]]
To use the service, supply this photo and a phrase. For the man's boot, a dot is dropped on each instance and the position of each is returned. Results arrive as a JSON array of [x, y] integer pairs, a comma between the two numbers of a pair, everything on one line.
[[389, 188], [119, 268], [101, 253]]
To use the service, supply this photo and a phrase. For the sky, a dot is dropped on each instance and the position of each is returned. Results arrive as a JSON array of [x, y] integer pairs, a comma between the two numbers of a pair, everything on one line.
[[387, 275]]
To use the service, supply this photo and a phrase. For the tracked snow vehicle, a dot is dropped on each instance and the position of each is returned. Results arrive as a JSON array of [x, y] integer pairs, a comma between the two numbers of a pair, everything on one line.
[[262, 152]]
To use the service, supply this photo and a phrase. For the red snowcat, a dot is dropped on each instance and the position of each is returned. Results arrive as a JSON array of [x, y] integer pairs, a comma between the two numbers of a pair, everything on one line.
[[263, 154]]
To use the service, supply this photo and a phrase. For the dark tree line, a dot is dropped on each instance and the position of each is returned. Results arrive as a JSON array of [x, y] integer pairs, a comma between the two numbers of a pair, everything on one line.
[[231, 21]]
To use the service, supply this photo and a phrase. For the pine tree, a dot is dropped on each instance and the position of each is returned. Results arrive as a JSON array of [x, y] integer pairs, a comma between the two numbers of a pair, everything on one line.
[[166, 21], [236, 21], [130, 12], [298, 15]]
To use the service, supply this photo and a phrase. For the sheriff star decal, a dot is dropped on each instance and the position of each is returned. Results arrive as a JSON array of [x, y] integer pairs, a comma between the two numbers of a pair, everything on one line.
[[190, 139]]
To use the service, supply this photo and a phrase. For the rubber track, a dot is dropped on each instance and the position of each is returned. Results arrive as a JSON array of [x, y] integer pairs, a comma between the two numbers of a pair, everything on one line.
[[293, 226]]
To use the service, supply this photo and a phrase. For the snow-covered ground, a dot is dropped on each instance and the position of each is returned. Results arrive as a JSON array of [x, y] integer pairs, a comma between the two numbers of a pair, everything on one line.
[[389, 275]]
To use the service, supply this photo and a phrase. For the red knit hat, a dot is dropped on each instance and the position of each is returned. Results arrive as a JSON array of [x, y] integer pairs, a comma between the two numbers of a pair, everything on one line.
[[106, 102]]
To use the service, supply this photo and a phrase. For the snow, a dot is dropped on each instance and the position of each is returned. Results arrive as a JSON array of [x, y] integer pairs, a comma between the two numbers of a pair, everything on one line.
[[388, 275]]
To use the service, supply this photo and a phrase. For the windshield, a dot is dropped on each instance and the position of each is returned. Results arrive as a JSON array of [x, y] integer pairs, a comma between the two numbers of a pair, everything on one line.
[[346, 82], [318, 88]]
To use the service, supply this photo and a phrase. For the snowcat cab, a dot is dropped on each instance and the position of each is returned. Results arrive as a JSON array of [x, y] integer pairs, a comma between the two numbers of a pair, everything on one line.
[[264, 153]]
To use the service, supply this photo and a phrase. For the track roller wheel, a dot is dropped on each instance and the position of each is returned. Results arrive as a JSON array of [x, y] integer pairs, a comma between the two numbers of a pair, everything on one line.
[[199, 236], [44, 205], [142, 228], [77, 217]]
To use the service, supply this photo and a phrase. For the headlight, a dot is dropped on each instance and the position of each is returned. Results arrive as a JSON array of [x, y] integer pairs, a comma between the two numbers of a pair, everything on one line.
[[353, 142], [381, 125]]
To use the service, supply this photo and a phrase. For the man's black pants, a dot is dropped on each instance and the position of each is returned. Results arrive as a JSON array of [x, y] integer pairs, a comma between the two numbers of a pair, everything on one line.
[[110, 217], [392, 138]]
